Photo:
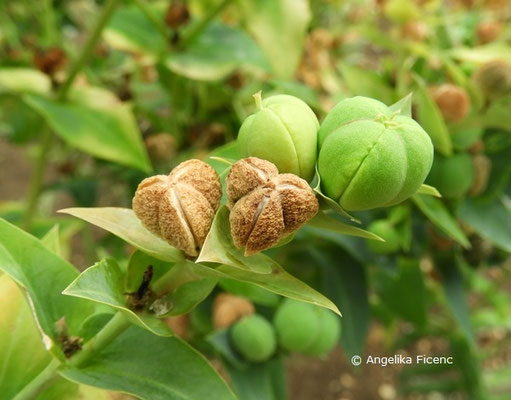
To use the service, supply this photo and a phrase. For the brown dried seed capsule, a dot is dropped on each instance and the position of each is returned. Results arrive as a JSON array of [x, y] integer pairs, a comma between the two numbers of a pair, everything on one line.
[[452, 101], [488, 31], [228, 308], [247, 174], [299, 204], [270, 208], [180, 207], [494, 78]]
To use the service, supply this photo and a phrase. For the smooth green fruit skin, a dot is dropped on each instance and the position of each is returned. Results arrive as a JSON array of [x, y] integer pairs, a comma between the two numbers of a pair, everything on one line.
[[297, 325], [254, 337], [329, 334], [369, 158], [452, 176], [387, 232], [284, 132]]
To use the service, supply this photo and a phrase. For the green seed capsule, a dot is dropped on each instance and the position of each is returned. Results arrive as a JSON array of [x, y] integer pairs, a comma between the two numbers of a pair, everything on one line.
[[329, 333], [371, 157], [387, 232], [254, 337], [297, 325], [452, 176], [284, 131]]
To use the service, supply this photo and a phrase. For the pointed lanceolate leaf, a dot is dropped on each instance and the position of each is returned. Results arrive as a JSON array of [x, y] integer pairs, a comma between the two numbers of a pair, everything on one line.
[[432, 120], [429, 190], [22, 80], [403, 106], [122, 222], [104, 283], [22, 353], [324, 221], [44, 275], [151, 368], [110, 133], [438, 214]]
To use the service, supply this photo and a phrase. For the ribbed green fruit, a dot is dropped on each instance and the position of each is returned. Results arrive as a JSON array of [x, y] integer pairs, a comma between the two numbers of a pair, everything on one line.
[[370, 157], [452, 176], [328, 336], [284, 131], [254, 337], [297, 325], [387, 232]]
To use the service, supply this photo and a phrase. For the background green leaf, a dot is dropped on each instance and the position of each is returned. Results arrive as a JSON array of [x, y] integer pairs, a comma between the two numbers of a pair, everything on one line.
[[21, 80], [111, 134], [279, 26]]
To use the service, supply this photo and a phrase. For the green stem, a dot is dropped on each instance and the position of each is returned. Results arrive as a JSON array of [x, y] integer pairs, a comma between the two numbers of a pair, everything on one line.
[[258, 98], [40, 382], [37, 178], [156, 21], [118, 324], [197, 29]]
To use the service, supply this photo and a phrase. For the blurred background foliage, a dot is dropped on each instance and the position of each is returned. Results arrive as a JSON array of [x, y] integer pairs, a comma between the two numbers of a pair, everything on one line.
[[173, 80]]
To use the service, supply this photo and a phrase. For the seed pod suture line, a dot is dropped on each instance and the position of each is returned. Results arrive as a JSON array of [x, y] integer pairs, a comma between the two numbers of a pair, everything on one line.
[[180, 207], [265, 205]]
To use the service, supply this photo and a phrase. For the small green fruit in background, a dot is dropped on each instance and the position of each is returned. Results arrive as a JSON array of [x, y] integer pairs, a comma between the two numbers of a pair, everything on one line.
[[297, 325], [452, 176], [254, 337], [329, 333], [371, 157], [386, 231], [283, 130], [401, 11]]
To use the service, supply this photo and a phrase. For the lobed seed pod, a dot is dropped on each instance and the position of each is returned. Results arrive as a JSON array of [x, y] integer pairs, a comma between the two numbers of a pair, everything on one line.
[[228, 308], [452, 101], [266, 206], [371, 157], [284, 131], [254, 337], [328, 336], [180, 207]]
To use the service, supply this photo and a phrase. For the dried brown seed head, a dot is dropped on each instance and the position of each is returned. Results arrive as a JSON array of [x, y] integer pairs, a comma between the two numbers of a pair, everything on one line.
[[488, 31], [247, 174], [228, 308], [180, 207], [494, 78], [276, 207], [452, 100]]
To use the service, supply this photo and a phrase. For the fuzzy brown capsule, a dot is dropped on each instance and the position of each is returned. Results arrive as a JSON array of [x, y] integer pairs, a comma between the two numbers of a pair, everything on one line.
[[494, 78], [266, 206], [228, 308], [452, 100], [180, 207]]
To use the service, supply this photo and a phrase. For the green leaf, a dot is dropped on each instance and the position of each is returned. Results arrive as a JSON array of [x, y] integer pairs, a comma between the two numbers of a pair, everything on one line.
[[323, 221], [482, 54], [221, 342], [219, 247], [431, 119], [66, 390], [437, 213], [429, 190], [151, 368], [216, 53], [104, 283], [362, 82], [44, 275], [497, 114], [22, 353], [262, 381], [111, 133], [404, 291], [490, 220], [403, 106], [130, 30], [52, 240], [137, 266], [279, 26], [123, 223], [346, 284], [252, 292], [22, 80]]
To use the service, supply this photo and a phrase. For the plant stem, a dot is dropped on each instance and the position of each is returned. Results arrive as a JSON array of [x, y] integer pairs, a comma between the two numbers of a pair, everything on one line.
[[37, 178], [39, 382], [118, 324], [197, 29]]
